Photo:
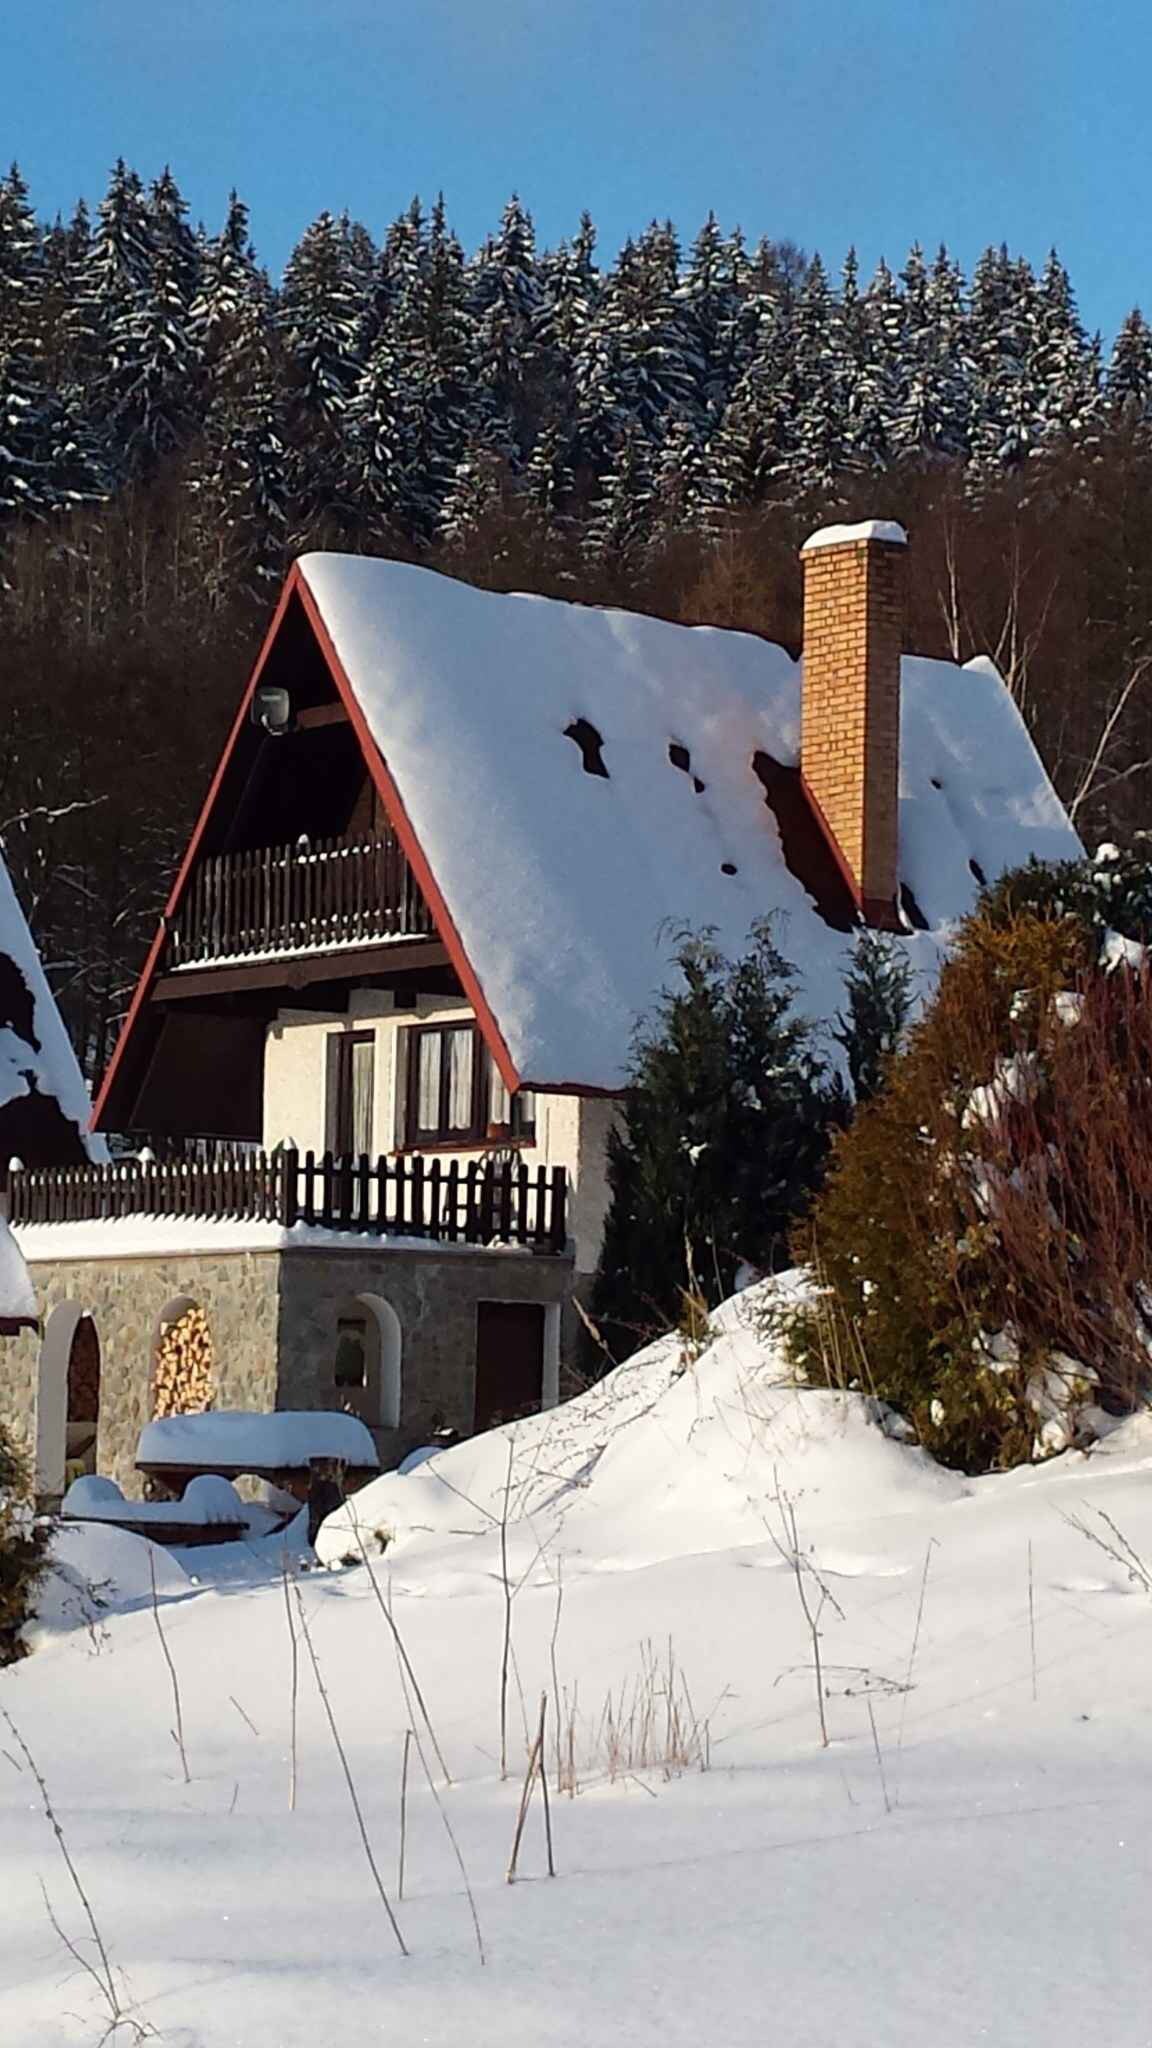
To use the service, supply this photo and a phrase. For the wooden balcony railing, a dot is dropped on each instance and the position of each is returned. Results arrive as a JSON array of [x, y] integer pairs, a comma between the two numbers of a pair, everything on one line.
[[318, 894], [483, 1202]]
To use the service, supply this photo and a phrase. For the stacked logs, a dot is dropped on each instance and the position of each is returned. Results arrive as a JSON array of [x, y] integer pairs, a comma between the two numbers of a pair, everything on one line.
[[184, 1380]]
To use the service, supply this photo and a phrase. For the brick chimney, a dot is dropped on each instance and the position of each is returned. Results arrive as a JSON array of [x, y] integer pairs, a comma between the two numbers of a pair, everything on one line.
[[850, 731]]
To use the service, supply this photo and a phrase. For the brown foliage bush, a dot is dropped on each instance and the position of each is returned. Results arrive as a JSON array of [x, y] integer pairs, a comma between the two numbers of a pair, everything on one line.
[[986, 1228]]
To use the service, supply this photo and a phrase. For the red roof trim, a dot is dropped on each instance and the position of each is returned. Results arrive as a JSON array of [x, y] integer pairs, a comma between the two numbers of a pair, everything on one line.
[[405, 832], [296, 585], [151, 964]]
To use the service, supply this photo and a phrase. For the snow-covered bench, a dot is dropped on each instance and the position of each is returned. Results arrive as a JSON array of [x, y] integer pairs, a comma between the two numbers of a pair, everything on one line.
[[210, 1511], [234, 1443]]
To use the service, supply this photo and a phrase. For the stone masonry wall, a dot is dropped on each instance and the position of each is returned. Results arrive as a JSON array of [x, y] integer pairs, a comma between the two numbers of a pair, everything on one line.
[[435, 1296], [272, 1317]]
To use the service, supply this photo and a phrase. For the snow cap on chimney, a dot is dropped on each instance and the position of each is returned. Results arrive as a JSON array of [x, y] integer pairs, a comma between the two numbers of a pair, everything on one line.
[[850, 728]]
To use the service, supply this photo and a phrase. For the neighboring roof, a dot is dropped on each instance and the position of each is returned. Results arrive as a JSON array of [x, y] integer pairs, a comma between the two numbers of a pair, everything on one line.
[[44, 1104], [17, 1294], [567, 887]]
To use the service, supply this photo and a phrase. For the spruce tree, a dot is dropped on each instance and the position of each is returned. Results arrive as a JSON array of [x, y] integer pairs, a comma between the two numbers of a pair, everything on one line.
[[722, 1139], [878, 986], [1128, 384]]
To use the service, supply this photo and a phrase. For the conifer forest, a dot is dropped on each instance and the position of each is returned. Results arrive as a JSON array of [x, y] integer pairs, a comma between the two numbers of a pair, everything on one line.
[[657, 427]]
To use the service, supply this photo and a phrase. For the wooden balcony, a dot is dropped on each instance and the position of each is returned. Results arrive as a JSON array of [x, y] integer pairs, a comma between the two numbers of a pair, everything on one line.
[[482, 1203], [319, 896]]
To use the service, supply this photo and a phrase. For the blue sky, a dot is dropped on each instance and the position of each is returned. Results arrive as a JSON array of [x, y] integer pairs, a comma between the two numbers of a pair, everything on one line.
[[873, 121]]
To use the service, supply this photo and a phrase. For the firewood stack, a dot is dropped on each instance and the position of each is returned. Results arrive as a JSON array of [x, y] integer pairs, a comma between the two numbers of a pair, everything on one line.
[[184, 1366]]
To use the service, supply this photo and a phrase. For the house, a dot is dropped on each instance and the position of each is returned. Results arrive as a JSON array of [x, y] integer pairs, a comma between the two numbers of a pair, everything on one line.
[[433, 886]]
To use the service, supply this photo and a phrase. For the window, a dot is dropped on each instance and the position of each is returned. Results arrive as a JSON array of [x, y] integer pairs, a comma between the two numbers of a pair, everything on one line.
[[351, 1366], [351, 1092], [455, 1094]]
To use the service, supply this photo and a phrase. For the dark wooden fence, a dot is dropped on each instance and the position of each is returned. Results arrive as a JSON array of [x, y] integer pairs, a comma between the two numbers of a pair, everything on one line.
[[287, 899], [480, 1202]]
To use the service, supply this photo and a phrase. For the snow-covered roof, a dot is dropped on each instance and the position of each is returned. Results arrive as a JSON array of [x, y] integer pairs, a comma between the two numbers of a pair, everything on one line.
[[567, 886], [17, 1294], [36, 1056]]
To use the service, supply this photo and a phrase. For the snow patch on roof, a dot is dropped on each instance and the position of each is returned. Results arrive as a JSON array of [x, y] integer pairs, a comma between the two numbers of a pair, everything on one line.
[[568, 887], [865, 529]]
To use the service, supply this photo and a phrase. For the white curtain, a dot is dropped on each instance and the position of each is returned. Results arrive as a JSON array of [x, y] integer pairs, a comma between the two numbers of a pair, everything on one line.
[[499, 1100], [428, 1082], [363, 1063], [459, 1080]]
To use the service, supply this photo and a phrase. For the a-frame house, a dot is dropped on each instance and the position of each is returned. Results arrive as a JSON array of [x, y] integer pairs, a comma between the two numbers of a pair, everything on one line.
[[374, 1053]]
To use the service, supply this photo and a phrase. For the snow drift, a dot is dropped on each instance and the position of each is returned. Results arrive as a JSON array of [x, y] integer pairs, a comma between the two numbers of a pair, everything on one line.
[[662, 1458]]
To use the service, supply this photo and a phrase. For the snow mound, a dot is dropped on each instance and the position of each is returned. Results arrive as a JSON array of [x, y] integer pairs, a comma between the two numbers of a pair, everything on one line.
[[660, 1459], [96, 1570]]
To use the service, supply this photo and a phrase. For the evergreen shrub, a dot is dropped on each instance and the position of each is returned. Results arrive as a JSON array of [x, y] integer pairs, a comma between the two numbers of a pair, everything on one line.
[[23, 1548]]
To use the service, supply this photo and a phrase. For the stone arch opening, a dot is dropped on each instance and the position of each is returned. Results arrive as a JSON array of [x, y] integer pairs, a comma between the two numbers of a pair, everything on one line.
[[367, 1364], [52, 1376], [82, 1408], [183, 1360]]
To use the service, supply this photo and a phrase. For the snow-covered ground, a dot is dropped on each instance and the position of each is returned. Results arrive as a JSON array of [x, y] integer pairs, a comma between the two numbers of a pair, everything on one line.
[[967, 1861]]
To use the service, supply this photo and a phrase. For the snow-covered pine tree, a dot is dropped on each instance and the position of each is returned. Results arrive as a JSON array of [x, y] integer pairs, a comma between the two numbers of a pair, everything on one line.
[[1002, 337], [505, 302], [238, 471], [678, 470], [1064, 365], [1128, 382], [437, 333], [321, 312], [21, 266], [113, 281], [621, 515], [710, 303], [813, 456], [745, 453], [321, 317], [152, 393]]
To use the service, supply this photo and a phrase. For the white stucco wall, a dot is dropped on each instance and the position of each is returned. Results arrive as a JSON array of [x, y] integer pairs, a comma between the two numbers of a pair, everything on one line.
[[571, 1131]]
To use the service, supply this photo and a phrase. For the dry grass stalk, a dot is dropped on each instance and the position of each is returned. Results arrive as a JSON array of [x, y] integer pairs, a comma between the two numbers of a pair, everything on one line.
[[649, 1723], [1032, 1619], [403, 1814], [101, 1971], [347, 1770], [178, 1731], [803, 1570], [1116, 1546], [440, 1806], [406, 1665], [879, 1757], [294, 1681], [915, 1646], [506, 1642]]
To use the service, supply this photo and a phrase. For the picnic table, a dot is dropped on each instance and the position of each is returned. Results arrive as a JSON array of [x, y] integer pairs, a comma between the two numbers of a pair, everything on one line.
[[284, 1448]]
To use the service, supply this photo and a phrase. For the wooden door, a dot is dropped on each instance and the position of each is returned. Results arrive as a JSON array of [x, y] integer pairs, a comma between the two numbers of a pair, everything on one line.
[[509, 1361]]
